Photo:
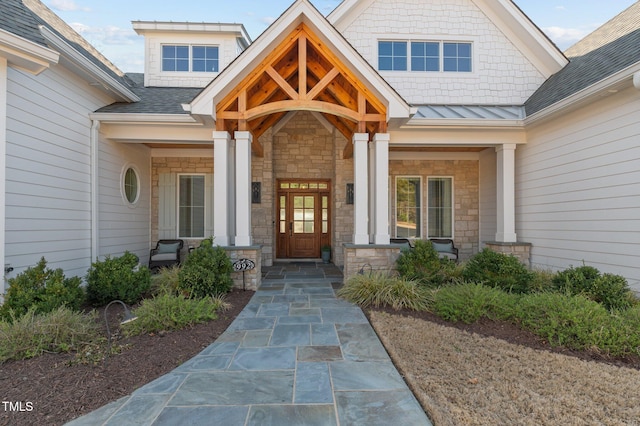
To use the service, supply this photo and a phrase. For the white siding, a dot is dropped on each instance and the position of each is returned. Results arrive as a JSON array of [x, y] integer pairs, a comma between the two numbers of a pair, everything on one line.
[[501, 73], [48, 185], [488, 196], [578, 188], [123, 226]]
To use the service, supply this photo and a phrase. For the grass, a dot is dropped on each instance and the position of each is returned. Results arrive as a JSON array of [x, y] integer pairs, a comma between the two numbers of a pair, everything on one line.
[[379, 289]]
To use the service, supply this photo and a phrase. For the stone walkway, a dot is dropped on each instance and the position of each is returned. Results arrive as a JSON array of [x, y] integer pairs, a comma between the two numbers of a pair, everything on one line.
[[295, 355]]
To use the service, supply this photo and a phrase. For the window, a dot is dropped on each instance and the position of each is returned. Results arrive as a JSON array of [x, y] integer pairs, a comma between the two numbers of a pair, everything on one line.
[[190, 58], [408, 207], [130, 185], [457, 57], [392, 55], [191, 201], [425, 56], [440, 207], [429, 56]]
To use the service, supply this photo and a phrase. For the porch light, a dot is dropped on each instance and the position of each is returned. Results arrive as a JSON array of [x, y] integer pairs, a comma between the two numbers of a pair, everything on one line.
[[350, 193], [128, 317], [256, 192]]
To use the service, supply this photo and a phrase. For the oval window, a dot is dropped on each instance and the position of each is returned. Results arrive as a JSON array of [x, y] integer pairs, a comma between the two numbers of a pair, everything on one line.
[[131, 185]]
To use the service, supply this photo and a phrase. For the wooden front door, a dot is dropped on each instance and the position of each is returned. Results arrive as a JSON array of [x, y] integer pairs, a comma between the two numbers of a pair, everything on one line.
[[302, 218]]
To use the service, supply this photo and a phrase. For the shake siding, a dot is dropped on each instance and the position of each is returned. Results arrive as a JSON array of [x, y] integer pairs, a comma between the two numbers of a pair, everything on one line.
[[578, 188], [48, 170]]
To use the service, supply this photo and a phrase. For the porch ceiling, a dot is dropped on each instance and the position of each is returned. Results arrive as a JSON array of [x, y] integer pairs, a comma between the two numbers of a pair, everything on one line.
[[302, 73]]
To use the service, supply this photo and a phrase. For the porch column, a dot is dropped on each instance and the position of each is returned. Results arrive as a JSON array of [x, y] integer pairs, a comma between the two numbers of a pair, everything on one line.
[[221, 144], [506, 187], [380, 147], [361, 189], [243, 188]]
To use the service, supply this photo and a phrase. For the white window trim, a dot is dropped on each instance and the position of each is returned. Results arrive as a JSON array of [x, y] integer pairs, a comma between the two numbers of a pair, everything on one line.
[[453, 205], [190, 71], [123, 194], [206, 203], [408, 39], [420, 209]]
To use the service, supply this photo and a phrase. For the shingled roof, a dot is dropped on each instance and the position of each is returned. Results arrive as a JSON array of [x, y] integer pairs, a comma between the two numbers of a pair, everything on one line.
[[24, 18], [608, 50]]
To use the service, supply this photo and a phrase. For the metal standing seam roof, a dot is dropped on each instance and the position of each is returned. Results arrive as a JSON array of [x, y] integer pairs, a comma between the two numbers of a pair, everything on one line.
[[477, 112]]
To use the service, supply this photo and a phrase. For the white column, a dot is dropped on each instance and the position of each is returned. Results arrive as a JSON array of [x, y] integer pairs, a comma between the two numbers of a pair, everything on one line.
[[221, 143], [380, 146], [506, 208], [3, 163], [243, 188], [361, 188]]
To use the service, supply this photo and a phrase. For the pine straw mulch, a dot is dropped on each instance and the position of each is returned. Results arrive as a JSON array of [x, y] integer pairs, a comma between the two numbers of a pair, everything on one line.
[[493, 373]]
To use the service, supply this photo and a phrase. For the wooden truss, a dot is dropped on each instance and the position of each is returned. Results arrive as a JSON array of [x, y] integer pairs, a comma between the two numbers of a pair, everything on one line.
[[301, 74]]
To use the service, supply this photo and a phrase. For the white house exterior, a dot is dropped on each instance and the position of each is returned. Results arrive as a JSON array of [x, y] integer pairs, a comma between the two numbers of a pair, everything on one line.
[[411, 119]]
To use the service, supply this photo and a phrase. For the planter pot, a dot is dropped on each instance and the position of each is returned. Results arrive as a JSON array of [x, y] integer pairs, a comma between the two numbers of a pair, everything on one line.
[[326, 255]]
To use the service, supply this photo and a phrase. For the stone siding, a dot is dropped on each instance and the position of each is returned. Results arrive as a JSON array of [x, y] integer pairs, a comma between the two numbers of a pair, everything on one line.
[[465, 175], [252, 278], [369, 259], [520, 250]]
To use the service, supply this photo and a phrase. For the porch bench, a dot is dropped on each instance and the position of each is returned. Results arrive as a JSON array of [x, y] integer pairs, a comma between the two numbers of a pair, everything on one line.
[[445, 248], [166, 254]]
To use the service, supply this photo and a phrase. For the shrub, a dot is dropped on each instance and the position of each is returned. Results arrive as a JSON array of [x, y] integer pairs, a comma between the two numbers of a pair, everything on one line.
[[612, 291], [170, 312], [468, 302], [61, 330], [118, 278], [498, 270], [379, 289], [166, 281], [206, 272], [41, 289], [422, 263]]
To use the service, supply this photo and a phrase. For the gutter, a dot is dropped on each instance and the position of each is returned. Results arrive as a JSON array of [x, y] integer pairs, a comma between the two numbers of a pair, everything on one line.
[[632, 72], [87, 68]]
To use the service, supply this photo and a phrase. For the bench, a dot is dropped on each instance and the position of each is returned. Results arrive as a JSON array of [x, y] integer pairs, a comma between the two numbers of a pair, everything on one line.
[[445, 248], [166, 253]]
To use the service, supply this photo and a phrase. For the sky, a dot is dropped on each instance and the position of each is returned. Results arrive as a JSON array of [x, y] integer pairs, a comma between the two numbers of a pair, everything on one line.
[[107, 23]]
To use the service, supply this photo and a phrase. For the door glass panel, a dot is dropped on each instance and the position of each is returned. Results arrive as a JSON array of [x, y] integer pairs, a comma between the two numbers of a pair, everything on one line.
[[283, 227], [308, 227], [325, 214], [298, 202], [309, 202], [298, 215], [309, 215], [298, 227]]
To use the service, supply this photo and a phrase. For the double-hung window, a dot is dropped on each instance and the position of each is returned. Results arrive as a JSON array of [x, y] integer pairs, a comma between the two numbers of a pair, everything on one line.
[[191, 206], [408, 195], [190, 58], [425, 56], [440, 207]]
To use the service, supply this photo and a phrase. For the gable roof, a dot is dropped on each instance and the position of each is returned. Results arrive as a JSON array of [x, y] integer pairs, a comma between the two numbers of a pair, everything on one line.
[[611, 49], [300, 12], [507, 17], [31, 20]]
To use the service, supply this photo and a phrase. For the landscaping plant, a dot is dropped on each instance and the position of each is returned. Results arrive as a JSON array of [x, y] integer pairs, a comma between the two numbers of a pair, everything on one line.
[[468, 302], [41, 289], [379, 289], [423, 264], [166, 281], [168, 312], [117, 278], [498, 270], [206, 272]]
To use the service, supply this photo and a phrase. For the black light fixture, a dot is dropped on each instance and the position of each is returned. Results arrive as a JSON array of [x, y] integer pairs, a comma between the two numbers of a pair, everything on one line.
[[128, 317], [256, 192], [350, 192]]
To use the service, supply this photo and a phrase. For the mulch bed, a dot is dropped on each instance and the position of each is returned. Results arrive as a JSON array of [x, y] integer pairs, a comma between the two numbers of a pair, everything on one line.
[[58, 390]]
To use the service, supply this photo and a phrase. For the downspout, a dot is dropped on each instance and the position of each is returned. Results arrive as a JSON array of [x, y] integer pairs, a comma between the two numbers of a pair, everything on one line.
[[3, 173], [95, 138], [636, 80]]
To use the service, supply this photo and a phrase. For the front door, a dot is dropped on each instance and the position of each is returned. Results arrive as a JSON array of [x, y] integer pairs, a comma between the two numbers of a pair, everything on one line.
[[303, 218]]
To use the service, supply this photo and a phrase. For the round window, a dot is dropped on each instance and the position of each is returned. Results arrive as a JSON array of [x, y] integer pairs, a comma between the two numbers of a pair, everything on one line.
[[131, 185]]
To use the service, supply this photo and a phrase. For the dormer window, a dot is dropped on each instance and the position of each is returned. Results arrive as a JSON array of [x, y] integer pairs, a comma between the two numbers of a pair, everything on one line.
[[180, 58]]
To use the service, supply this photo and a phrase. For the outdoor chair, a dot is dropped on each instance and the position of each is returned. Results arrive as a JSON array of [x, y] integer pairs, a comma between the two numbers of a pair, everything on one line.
[[404, 243], [166, 253], [445, 248]]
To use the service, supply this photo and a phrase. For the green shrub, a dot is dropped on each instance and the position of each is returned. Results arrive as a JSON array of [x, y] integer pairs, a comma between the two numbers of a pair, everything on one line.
[[572, 321], [542, 280], [468, 302], [498, 270], [379, 289], [423, 264], [612, 291], [118, 278], [206, 272], [170, 312], [41, 289], [31, 334], [166, 281]]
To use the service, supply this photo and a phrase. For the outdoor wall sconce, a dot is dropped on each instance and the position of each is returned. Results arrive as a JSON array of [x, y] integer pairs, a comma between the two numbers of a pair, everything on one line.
[[256, 192], [349, 193]]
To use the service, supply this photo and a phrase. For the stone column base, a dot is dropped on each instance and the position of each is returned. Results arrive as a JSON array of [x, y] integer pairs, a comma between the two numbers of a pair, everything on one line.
[[520, 250], [369, 257], [252, 278]]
